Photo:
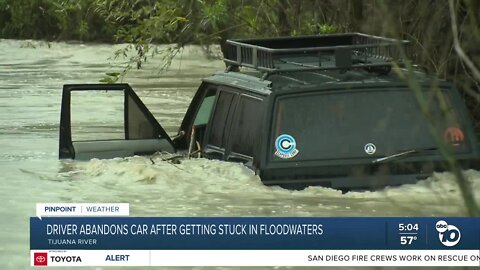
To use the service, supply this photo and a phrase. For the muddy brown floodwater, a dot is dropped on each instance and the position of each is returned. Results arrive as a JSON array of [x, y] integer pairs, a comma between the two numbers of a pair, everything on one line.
[[31, 81]]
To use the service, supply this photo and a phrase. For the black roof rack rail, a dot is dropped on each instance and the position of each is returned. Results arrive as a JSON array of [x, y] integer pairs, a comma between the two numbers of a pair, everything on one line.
[[321, 52]]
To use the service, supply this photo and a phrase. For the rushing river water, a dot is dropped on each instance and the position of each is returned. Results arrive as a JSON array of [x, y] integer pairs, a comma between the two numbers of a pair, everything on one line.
[[31, 81]]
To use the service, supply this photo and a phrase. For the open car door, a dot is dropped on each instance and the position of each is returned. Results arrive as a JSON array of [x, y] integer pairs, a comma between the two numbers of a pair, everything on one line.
[[113, 122]]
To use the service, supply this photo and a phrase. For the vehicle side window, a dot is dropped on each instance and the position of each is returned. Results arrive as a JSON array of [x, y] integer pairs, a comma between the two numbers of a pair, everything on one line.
[[220, 116], [203, 114], [247, 125]]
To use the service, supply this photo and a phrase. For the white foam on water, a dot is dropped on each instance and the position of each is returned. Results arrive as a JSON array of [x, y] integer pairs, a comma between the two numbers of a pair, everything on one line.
[[212, 187]]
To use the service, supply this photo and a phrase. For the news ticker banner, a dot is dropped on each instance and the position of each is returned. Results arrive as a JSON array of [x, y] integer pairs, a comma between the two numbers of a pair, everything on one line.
[[248, 241], [99, 258]]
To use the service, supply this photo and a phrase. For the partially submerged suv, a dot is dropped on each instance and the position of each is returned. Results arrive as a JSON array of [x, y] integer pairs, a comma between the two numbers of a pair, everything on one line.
[[332, 110]]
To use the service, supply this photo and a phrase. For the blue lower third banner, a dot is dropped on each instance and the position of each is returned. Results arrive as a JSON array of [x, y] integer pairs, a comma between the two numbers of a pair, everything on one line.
[[254, 241]]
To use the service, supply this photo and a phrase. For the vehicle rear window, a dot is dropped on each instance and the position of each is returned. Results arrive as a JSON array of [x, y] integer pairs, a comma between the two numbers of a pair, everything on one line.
[[339, 125]]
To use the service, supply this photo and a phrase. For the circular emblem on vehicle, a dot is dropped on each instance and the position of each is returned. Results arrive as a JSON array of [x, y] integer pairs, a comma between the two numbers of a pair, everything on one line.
[[454, 135], [40, 259], [370, 148], [285, 146]]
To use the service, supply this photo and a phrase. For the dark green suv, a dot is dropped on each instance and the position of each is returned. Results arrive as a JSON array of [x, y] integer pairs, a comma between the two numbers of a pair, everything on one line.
[[339, 110]]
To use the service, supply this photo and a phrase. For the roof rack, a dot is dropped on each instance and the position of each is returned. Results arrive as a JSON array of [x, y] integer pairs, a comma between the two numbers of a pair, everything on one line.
[[322, 52]]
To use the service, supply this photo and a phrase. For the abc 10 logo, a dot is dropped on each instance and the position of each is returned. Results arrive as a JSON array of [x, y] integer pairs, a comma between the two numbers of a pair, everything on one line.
[[449, 235]]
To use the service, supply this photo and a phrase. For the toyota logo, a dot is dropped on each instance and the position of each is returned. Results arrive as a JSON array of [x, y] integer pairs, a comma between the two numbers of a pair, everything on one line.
[[40, 259]]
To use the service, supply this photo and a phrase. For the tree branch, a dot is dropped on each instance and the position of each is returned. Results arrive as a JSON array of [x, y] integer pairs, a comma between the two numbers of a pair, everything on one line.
[[456, 44]]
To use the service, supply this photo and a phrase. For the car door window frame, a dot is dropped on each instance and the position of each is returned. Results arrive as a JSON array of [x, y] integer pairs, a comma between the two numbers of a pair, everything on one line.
[[207, 146], [229, 153], [105, 148]]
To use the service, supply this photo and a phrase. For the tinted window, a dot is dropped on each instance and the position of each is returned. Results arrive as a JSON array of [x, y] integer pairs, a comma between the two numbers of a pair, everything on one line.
[[247, 125], [139, 127], [220, 116], [203, 114], [340, 125]]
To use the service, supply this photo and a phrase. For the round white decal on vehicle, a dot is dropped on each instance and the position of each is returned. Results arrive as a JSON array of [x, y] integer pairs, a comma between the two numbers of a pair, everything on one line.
[[370, 148], [285, 146]]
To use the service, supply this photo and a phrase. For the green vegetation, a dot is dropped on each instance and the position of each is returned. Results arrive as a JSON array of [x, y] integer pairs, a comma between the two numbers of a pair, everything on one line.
[[160, 21], [53, 20], [444, 34], [143, 23]]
